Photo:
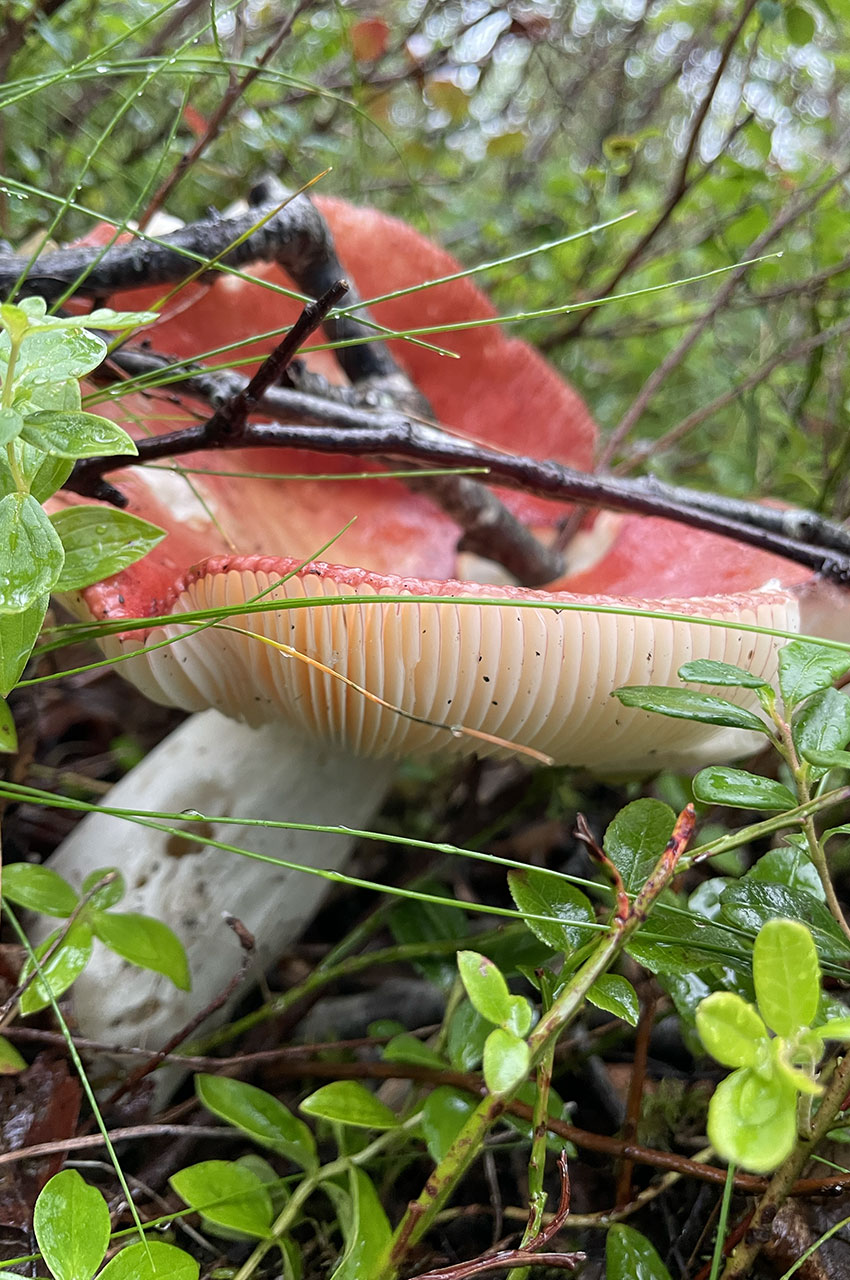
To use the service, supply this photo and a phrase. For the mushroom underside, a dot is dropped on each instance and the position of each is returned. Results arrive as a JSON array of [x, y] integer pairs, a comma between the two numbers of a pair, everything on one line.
[[373, 666]]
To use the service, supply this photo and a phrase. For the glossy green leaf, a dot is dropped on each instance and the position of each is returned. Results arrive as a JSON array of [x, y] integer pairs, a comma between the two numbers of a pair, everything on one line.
[[630, 1256], [99, 542], [259, 1114], [47, 357], [731, 1030], [144, 941], [540, 893], [349, 1102], [791, 866], [72, 1227], [49, 475], [100, 318], [615, 995], [18, 634], [8, 732], [823, 724], [108, 894], [752, 1121], [11, 1062], [739, 789], [366, 1231], [31, 555], [64, 966], [677, 942], [75, 435], [485, 986], [444, 1114], [151, 1261], [787, 976], [228, 1195], [805, 668], [507, 1061], [466, 1036], [685, 704], [708, 671], [750, 904], [636, 839], [11, 423], [38, 888]]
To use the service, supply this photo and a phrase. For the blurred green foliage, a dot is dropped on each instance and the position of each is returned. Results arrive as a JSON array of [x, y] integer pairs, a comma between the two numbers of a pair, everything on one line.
[[495, 127]]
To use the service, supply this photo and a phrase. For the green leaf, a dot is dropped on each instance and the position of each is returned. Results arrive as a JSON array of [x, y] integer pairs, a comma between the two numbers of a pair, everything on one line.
[[71, 1224], [707, 671], [485, 986], [799, 24], [540, 893], [407, 1048], [615, 995], [507, 1061], [75, 435], [366, 1231], [151, 1261], [682, 943], [109, 894], [791, 866], [38, 889], [805, 668], [49, 475], [8, 732], [741, 790], [259, 1114], [752, 1121], [750, 904], [348, 1102], [64, 966], [823, 724], [445, 1113], [11, 1062], [787, 976], [144, 941], [636, 839], [467, 1033], [99, 542], [835, 1029], [100, 318], [47, 357], [228, 1195], [731, 1030], [11, 423], [630, 1256], [684, 704], [428, 922], [18, 634], [31, 555]]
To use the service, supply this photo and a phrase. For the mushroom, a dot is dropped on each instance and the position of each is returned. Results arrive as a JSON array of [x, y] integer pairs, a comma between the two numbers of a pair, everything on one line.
[[399, 657]]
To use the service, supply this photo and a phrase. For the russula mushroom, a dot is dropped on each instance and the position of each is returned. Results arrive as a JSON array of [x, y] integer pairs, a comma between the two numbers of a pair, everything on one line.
[[382, 675]]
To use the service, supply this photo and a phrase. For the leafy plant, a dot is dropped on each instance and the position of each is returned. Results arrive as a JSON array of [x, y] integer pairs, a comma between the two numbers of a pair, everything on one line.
[[43, 430], [752, 1116], [63, 955]]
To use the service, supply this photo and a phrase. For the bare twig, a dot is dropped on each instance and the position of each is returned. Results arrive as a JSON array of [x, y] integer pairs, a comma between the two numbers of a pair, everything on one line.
[[680, 187], [793, 210], [800, 536], [234, 91]]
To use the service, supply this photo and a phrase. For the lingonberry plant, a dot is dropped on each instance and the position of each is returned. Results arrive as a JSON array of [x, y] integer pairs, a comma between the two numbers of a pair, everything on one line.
[[43, 431]]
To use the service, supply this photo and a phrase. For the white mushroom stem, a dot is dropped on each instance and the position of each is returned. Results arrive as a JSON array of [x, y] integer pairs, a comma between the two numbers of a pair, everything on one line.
[[219, 767]]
